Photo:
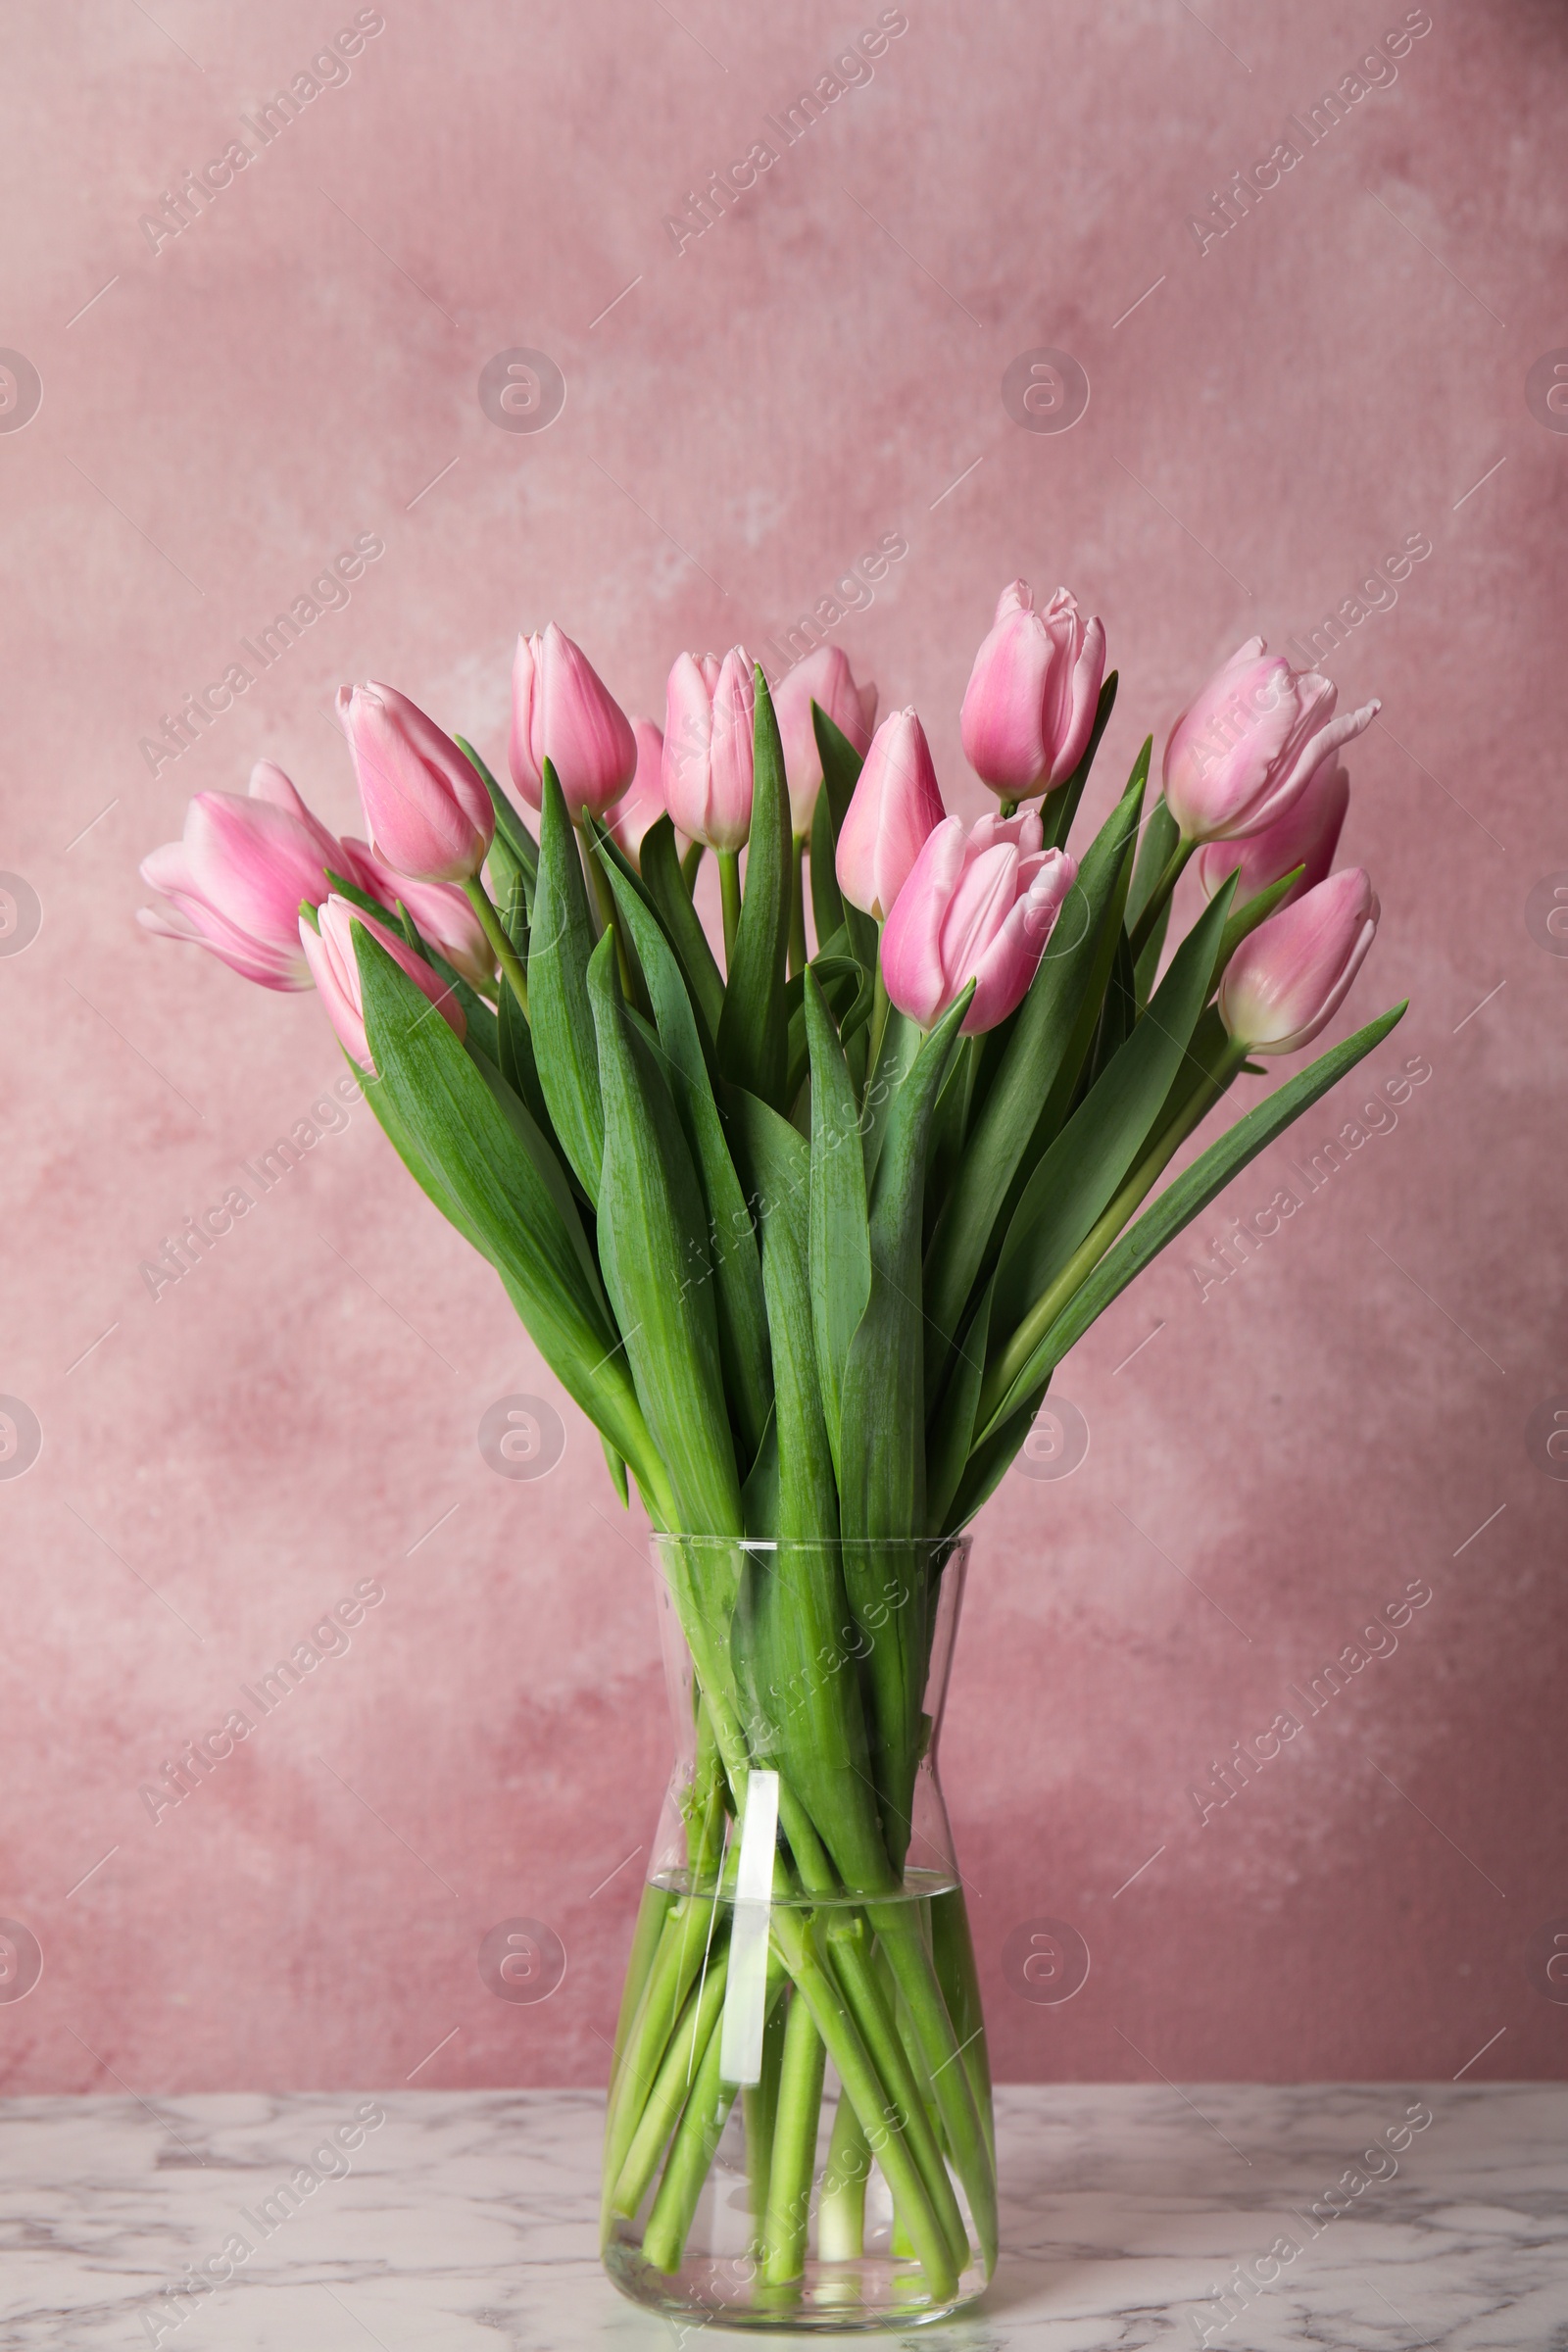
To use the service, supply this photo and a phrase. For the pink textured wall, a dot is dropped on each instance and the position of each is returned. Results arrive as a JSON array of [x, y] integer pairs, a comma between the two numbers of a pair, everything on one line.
[[1344, 371]]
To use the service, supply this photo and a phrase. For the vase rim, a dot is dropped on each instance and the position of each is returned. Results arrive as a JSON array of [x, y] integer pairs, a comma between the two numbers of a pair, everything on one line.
[[952, 1545]]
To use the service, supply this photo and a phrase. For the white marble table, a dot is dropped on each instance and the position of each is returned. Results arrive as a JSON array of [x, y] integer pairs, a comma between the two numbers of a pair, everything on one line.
[[468, 2221]]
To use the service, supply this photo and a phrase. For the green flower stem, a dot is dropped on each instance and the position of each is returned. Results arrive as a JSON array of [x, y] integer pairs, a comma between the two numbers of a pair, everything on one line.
[[604, 898], [494, 929], [1142, 930], [819, 1988], [901, 1939], [1089, 1252], [879, 1016], [729, 888], [691, 2154], [759, 2106], [652, 1913], [794, 2155], [682, 2068], [841, 2207], [850, 1949], [798, 946], [952, 1957]]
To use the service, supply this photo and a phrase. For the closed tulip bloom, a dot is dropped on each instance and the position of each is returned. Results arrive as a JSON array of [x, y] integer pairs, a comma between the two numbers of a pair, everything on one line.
[[1292, 974], [976, 907], [427, 812], [446, 919], [1243, 754], [825, 679], [562, 711], [1030, 704], [708, 748], [1307, 835], [643, 802], [335, 969], [896, 804], [235, 878]]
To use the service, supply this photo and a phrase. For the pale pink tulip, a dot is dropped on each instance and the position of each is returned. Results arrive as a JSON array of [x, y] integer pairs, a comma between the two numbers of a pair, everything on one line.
[[235, 878], [1242, 754], [977, 906], [896, 803], [1030, 704], [825, 679], [1307, 835], [427, 812], [708, 747], [335, 969], [447, 921], [562, 711], [1292, 974], [643, 804]]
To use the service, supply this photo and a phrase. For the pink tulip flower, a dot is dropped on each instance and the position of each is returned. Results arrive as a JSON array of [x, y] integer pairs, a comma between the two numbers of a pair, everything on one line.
[[1030, 704], [642, 805], [1241, 756], [708, 747], [1291, 975], [562, 711], [1307, 835], [235, 878], [896, 805], [427, 812], [335, 969], [446, 920], [977, 906], [824, 677]]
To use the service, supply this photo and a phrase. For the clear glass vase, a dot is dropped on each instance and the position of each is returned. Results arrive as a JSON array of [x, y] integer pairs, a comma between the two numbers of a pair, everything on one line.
[[799, 2131]]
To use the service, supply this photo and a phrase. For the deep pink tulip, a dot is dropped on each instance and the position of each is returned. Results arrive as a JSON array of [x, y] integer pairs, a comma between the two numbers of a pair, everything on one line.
[[894, 805], [643, 802], [1239, 756], [562, 711], [1307, 835], [1292, 974], [427, 812], [977, 906], [335, 970], [708, 747], [1033, 691], [235, 878], [824, 677], [446, 920]]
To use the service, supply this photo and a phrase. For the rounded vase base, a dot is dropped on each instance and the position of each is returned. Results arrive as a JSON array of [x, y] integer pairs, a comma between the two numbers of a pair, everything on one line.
[[873, 2292]]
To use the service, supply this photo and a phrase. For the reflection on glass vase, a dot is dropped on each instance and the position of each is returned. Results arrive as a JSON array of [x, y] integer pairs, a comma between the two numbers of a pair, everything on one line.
[[799, 2130]]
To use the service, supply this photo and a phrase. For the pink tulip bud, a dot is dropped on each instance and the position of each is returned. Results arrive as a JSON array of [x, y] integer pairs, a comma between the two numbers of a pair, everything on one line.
[[335, 969], [708, 747], [562, 711], [896, 804], [824, 677], [1030, 704], [427, 812], [975, 907], [643, 804], [1241, 756], [236, 876], [1291, 975], [1307, 835], [446, 920]]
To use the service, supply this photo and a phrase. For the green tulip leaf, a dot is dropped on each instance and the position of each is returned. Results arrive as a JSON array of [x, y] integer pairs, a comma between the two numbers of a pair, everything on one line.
[[560, 942]]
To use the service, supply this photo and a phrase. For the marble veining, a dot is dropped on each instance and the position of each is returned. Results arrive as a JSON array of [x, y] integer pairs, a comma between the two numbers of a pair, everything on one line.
[[468, 2219]]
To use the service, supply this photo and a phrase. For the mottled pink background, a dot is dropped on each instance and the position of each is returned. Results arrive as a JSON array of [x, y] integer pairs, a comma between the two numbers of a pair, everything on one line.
[[818, 370]]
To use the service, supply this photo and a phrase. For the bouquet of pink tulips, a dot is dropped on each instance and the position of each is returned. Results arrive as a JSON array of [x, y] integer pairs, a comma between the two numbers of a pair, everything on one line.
[[805, 1231]]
